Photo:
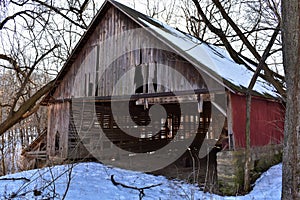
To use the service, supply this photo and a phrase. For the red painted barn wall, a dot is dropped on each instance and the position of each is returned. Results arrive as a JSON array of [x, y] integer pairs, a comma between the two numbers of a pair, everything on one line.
[[267, 121]]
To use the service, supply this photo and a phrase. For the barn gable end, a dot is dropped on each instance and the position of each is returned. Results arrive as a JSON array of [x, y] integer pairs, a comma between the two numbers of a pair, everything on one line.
[[92, 73]]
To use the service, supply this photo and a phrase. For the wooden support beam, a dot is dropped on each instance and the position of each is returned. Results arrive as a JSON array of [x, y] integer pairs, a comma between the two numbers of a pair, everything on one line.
[[135, 97]]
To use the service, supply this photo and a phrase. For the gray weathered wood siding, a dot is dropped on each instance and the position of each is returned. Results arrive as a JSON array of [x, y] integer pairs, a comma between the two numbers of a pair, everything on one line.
[[58, 128], [93, 73]]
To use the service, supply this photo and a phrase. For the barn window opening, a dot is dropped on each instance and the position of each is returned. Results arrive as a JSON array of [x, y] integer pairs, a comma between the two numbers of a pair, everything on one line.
[[57, 136]]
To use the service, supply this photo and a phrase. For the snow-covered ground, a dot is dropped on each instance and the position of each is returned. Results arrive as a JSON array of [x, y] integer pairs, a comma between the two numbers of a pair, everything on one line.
[[93, 181]]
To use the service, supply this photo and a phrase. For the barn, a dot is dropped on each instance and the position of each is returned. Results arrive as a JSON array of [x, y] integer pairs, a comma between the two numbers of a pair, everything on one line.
[[138, 94]]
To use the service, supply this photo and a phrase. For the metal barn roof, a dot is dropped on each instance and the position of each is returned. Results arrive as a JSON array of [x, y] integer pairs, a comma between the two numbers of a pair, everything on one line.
[[212, 60]]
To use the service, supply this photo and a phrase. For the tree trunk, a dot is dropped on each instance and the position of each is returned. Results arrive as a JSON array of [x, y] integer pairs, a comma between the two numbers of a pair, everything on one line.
[[3, 155], [291, 151], [2, 147], [25, 108]]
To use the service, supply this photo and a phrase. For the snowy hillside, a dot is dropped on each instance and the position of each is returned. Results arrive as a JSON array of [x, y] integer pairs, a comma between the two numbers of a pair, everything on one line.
[[93, 181]]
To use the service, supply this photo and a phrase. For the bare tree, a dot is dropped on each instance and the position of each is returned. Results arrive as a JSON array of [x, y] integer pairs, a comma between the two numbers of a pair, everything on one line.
[[239, 40], [291, 154], [22, 133], [36, 38]]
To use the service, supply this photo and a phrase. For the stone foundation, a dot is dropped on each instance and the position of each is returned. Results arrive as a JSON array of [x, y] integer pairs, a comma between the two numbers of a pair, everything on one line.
[[230, 166]]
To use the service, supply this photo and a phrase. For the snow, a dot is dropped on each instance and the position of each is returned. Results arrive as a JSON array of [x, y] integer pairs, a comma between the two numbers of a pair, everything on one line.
[[212, 57], [93, 181]]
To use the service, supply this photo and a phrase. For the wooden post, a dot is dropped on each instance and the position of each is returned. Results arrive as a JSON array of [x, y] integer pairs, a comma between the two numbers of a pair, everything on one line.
[[260, 66], [229, 122], [248, 140]]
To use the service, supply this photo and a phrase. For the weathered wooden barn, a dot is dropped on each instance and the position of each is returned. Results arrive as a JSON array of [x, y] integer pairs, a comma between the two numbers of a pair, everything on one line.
[[127, 60]]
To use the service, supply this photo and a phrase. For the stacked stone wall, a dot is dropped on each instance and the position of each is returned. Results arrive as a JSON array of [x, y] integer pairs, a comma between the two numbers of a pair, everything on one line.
[[230, 166]]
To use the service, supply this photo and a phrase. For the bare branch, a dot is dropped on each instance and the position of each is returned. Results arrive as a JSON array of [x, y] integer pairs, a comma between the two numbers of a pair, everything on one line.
[[27, 78], [220, 33], [24, 108], [264, 58], [10, 18], [15, 179], [141, 190], [60, 13], [269, 75]]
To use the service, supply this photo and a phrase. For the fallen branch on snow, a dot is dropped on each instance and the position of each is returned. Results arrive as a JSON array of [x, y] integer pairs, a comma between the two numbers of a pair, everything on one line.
[[15, 179], [141, 190]]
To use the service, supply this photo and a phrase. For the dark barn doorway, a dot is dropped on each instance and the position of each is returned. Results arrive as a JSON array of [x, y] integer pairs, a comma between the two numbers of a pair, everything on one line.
[[189, 163]]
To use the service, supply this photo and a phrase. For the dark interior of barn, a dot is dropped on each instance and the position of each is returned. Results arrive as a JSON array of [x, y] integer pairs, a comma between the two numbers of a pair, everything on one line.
[[175, 127]]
